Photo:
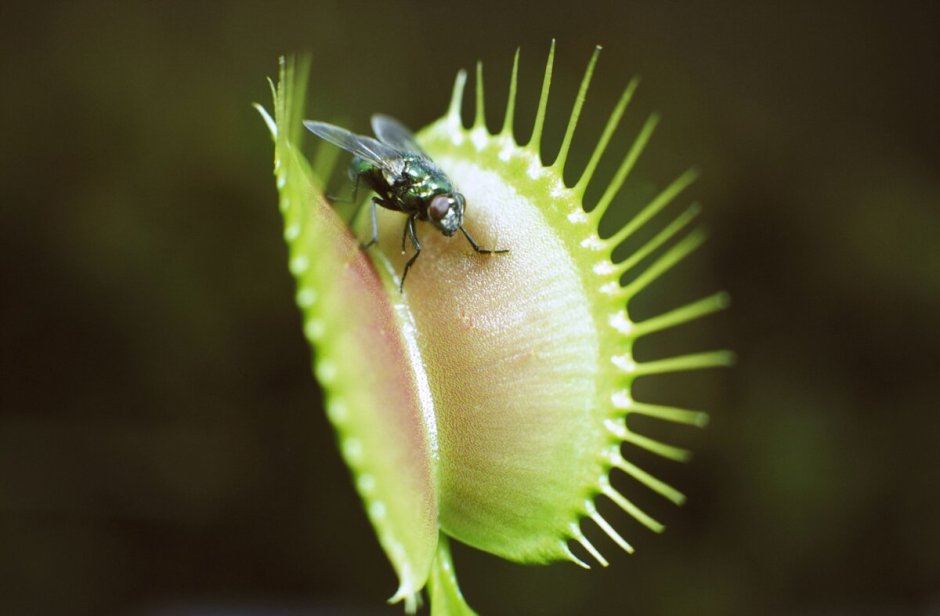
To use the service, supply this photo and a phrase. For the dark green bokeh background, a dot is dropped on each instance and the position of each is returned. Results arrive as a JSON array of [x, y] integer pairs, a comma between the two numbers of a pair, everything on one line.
[[162, 444]]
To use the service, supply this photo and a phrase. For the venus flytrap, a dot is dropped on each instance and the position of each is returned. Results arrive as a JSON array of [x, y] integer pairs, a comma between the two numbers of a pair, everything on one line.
[[487, 402]]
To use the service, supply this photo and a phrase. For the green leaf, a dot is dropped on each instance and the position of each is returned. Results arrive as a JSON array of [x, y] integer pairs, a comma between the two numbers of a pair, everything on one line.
[[377, 395]]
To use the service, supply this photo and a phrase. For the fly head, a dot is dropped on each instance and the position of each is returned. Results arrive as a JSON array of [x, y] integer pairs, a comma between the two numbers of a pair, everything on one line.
[[446, 212]]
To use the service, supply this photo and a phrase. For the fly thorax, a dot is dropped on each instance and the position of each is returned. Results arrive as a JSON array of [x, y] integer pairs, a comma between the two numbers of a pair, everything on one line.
[[395, 173]]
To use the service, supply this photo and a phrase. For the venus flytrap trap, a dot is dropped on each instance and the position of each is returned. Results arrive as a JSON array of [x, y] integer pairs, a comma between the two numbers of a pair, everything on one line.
[[488, 401]]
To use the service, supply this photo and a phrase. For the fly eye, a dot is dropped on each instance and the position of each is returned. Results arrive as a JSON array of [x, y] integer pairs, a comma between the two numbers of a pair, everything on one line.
[[439, 207]]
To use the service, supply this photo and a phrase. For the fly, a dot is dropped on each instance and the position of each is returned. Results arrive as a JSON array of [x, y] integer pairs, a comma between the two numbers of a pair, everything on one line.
[[404, 178]]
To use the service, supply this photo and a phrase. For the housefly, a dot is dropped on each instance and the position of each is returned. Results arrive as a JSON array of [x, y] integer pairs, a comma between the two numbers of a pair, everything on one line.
[[404, 178]]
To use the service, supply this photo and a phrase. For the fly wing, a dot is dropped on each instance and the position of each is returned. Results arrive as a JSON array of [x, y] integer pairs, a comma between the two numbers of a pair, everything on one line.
[[392, 132], [377, 153]]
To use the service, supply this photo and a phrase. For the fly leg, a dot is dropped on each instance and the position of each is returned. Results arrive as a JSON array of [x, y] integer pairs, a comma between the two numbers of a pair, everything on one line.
[[409, 230], [375, 225], [358, 210], [404, 232], [476, 247], [375, 222]]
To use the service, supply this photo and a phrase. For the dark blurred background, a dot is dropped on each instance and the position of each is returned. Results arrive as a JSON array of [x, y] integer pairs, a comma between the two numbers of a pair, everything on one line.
[[163, 448]]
